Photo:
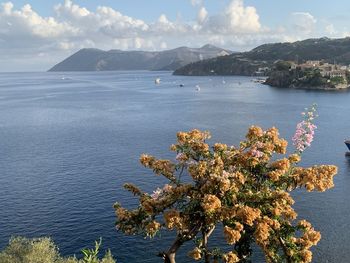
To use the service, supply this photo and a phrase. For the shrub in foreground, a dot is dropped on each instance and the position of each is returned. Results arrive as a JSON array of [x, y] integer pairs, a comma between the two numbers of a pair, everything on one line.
[[43, 250]]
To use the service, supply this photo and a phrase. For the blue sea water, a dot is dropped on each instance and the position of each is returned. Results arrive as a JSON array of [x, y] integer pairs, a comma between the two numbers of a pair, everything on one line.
[[69, 141]]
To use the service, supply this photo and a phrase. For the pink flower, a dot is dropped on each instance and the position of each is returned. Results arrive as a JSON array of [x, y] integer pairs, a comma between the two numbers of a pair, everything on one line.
[[305, 131], [257, 153], [157, 193], [191, 162], [260, 145], [179, 156], [167, 188]]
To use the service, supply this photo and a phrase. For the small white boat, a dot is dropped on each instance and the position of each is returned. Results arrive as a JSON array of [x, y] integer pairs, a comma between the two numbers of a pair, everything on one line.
[[198, 88], [259, 80], [223, 82], [157, 81]]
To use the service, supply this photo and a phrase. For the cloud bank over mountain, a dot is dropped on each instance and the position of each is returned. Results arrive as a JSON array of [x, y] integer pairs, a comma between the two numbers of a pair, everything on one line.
[[29, 39]]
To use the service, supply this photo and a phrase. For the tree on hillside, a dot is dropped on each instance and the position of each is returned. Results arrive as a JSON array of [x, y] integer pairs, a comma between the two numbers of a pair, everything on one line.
[[245, 189], [282, 65]]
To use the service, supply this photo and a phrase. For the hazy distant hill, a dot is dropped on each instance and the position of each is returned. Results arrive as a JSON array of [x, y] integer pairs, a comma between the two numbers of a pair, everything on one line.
[[98, 60], [246, 63]]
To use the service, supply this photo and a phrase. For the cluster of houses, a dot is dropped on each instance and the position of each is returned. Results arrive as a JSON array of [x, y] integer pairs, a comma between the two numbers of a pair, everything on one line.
[[326, 69]]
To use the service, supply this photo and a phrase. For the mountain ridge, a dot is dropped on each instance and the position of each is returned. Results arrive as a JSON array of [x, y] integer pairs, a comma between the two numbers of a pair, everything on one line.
[[92, 59]]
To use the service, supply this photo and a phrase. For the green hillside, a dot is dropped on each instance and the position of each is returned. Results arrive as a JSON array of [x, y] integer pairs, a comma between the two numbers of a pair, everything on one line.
[[246, 63]]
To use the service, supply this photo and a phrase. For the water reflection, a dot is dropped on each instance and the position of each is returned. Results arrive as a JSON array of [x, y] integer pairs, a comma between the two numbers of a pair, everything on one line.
[[347, 161]]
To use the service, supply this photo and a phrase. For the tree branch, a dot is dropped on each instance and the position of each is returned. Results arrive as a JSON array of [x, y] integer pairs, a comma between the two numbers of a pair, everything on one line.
[[169, 256], [284, 249], [206, 235]]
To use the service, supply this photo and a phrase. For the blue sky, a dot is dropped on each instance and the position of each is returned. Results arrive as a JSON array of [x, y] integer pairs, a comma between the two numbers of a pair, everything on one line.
[[34, 35], [271, 11]]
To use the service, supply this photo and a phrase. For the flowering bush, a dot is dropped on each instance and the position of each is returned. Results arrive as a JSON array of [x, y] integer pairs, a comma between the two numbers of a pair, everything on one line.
[[245, 189]]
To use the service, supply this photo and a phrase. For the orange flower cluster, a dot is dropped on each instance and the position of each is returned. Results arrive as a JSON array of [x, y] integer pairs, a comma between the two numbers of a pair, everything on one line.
[[132, 188], [194, 140], [126, 219], [172, 219], [152, 228], [233, 235], [317, 177], [192, 136], [245, 188], [230, 257], [211, 203], [160, 167], [198, 170], [310, 236], [122, 213], [248, 215], [196, 253], [282, 205], [264, 228], [254, 132]]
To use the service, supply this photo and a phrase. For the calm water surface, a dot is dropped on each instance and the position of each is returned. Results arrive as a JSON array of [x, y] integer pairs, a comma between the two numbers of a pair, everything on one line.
[[69, 141]]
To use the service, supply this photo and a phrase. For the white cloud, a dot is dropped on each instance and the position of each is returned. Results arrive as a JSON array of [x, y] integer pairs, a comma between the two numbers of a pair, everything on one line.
[[202, 15], [7, 8], [66, 45], [235, 19], [105, 21], [330, 30], [26, 22], [242, 18], [196, 2], [163, 45], [106, 27], [303, 22]]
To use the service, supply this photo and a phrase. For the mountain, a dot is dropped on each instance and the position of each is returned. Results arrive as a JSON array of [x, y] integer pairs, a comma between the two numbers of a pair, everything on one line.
[[99, 60], [246, 63]]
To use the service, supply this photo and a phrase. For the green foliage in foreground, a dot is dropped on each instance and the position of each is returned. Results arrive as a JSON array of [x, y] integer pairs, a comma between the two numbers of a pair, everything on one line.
[[43, 250]]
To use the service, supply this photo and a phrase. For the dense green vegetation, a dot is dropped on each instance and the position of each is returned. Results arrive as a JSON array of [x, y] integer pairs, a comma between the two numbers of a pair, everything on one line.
[[337, 80], [310, 77], [226, 65], [43, 250]]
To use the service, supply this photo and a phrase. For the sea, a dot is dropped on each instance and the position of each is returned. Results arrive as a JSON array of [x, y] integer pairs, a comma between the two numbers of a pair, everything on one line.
[[69, 141]]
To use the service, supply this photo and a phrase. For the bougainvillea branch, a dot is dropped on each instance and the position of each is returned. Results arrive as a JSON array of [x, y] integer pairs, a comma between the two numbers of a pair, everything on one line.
[[305, 130]]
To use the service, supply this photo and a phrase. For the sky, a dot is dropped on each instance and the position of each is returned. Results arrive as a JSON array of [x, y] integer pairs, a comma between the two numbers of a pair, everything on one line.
[[35, 35]]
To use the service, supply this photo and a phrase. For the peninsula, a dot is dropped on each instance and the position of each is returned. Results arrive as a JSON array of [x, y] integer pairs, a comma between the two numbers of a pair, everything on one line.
[[313, 74]]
